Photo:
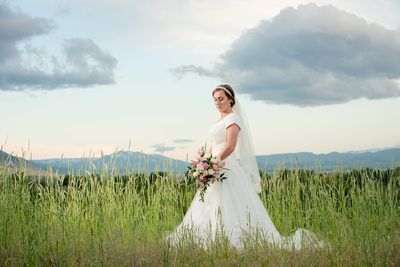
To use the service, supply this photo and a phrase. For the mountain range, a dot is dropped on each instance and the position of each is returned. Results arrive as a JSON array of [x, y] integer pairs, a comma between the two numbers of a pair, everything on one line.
[[122, 161], [381, 159]]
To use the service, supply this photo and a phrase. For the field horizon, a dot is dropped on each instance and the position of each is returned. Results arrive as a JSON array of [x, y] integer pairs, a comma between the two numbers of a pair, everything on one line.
[[377, 158]]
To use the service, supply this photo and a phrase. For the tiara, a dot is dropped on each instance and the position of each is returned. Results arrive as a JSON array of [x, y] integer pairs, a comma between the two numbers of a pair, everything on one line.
[[226, 90]]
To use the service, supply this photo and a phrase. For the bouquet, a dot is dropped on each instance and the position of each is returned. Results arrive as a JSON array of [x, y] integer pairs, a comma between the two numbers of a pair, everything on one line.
[[206, 170]]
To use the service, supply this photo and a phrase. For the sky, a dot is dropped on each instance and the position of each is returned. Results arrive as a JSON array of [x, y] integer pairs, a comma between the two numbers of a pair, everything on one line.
[[89, 77]]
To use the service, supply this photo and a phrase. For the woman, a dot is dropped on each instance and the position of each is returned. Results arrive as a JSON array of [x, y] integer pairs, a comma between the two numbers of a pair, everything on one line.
[[233, 207]]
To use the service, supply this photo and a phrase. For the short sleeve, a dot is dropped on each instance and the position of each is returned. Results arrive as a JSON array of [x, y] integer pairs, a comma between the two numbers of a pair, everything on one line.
[[232, 119]]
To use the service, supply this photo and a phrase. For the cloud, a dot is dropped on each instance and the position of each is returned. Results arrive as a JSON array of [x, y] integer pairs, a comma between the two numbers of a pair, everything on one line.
[[61, 10], [162, 148], [83, 63], [181, 71], [182, 140], [15, 27], [311, 56]]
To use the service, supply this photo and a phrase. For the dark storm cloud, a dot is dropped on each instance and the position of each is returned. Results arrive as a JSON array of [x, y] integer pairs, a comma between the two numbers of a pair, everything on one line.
[[162, 147], [83, 63], [311, 56]]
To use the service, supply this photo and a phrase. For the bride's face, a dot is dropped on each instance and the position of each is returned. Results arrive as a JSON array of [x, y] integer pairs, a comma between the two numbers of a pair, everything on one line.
[[221, 101]]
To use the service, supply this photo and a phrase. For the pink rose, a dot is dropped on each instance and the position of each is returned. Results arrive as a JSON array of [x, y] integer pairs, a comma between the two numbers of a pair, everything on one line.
[[205, 165]]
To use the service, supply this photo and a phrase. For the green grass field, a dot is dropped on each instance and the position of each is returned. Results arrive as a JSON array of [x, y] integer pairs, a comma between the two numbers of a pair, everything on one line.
[[107, 218]]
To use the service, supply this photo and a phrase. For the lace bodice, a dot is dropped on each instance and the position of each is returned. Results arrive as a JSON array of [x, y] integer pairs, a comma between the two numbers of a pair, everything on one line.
[[217, 133]]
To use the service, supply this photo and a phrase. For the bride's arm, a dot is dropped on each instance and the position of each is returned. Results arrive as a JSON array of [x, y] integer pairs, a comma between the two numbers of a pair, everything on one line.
[[232, 133]]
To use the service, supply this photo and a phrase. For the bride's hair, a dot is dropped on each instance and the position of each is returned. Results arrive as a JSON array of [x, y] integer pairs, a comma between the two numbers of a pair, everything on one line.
[[229, 88]]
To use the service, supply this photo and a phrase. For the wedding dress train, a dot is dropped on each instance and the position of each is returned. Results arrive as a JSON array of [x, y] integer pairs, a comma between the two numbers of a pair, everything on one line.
[[233, 206]]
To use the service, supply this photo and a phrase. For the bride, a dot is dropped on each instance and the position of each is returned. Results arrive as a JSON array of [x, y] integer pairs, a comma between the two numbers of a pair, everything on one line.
[[233, 207]]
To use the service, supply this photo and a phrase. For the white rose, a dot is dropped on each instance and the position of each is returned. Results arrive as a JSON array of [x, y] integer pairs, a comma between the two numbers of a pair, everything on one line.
[[200, 167], [207, 155], [210, 171], [195, 174]]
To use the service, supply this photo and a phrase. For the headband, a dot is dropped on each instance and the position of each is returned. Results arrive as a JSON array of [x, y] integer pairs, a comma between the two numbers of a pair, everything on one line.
[[226, 90]]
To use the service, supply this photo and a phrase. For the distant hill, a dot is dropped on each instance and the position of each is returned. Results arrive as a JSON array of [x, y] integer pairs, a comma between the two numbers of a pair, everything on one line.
[[381, 159], [7, 157], [140, 162], [16, 163], [121, 161]]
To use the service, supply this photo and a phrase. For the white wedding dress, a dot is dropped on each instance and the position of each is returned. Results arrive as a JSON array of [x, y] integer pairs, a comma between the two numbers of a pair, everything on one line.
[[232, 206]]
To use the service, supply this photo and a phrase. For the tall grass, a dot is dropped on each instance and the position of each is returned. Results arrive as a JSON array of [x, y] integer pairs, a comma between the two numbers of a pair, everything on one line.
[[108, 217]]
